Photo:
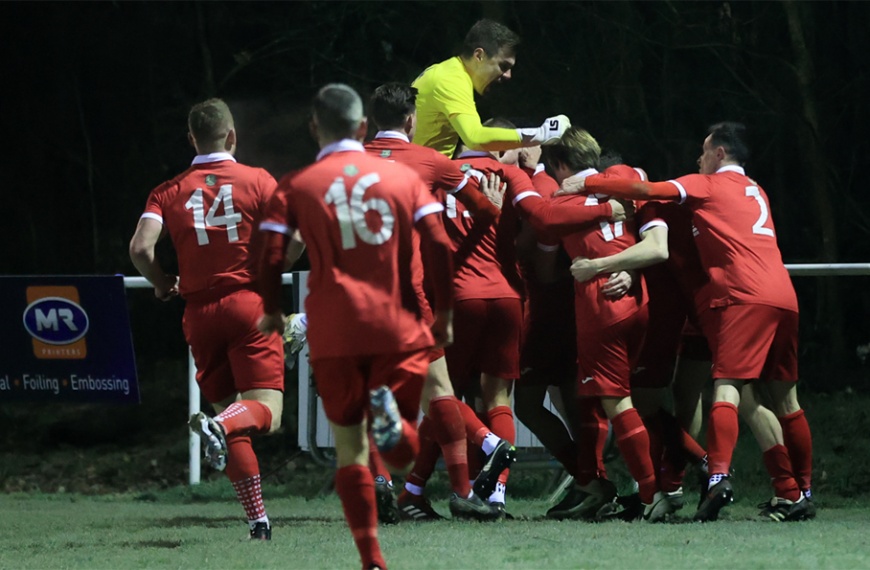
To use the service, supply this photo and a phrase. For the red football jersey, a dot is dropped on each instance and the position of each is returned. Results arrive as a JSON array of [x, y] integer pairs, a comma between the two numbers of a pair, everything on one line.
[[440, 174], [436, 170], [683, 267], [210, 211], [485, 260], [736, 240], [356, 214], [593, 309]]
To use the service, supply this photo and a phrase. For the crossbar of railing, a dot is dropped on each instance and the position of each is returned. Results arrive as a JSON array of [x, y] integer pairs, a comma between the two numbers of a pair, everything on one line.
[[794, 269]]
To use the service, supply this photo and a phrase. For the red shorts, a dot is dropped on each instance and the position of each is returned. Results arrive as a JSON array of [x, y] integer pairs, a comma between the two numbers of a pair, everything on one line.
[[344, 383], [486, 339], [605, 360], [752, 342], [231, 355]]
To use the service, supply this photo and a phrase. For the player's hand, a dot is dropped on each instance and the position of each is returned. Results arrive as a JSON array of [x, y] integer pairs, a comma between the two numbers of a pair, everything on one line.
[[572, 185], [548, 133], [442, 328], [583, 269], [271, 323], [622, 210], [529, 157], [618, 285], [168, 289], [492, 188]]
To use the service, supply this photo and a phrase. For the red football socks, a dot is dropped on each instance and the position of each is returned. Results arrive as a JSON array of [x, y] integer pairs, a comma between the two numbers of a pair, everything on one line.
[[633, 443], [799, 441], [779, 468], [376, 464], [356, 489], [591, 438], [243, 471], [424, 465], [449, 432], [721, 437], [475, 429], [245, 417], [501, 420]]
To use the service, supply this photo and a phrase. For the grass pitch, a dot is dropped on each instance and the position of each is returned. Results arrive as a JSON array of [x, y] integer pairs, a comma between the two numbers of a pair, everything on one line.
[[178, 529]]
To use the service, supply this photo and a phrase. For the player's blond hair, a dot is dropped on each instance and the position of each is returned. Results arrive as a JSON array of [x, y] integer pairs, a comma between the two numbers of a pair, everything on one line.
[[210, 122], [577, 149]]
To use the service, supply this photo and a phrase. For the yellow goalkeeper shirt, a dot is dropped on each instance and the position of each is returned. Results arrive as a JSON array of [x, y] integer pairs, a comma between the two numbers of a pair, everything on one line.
[[446, 112]]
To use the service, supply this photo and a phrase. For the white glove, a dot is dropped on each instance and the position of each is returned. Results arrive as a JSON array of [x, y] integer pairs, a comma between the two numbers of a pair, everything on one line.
[[548, 133]]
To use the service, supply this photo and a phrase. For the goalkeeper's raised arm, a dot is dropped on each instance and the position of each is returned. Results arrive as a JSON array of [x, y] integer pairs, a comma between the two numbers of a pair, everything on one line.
[[446, 110]]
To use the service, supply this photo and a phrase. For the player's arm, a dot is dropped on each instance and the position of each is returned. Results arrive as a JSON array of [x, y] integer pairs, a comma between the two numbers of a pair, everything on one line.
[[651, 249], [466, 189], [142, 246], [435, 246], [564, 216], [479, 137], [272, 260], [295, 249], [623, 188]]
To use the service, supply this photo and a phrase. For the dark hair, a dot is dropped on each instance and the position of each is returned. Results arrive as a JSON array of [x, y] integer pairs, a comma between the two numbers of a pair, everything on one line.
[[338, 110], [390, 105], [491, 36], [609, 157], [577, 149], [210, 121], [730, 136]]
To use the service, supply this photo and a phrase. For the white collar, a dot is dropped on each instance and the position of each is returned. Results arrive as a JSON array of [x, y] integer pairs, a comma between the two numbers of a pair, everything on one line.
[[212, 157], [732, 168], [392, 135], [539, 168], [474, 154], [344, 145], [583, 174]]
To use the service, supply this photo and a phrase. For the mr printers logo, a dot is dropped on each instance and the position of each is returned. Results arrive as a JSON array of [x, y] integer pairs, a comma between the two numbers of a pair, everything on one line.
[[351, 170], [465, 167], [386, 153], [210, 180], [56, 322]]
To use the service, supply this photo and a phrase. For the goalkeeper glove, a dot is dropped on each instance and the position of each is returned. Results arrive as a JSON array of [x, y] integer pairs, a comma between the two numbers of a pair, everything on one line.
[[548, 133]]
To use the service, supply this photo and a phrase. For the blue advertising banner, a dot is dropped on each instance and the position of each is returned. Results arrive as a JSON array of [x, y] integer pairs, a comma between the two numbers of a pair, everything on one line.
[[67, 339]]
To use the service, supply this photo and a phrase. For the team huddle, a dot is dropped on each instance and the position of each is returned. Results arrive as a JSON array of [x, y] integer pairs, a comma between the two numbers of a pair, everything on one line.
[[457, 264]]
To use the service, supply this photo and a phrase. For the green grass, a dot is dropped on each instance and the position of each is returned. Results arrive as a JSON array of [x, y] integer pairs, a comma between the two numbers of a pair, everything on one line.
[[204, 529]]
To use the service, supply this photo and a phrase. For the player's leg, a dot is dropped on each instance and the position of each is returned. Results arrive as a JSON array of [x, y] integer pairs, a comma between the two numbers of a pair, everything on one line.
[[547, 427], [633, 442], [768, 433], [499, 362], [782, 370], [345, 396], [496, 395]]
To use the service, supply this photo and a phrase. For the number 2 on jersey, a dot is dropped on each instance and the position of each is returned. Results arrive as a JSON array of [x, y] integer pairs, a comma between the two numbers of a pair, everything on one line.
[[352, 216], [758, 226], [202, 220]]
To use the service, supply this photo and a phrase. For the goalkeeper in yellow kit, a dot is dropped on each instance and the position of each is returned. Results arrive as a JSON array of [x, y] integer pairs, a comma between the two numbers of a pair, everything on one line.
[[446, 110]]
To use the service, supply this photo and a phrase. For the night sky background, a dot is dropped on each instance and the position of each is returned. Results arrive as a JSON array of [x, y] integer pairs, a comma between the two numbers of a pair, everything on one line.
[[95, 97]]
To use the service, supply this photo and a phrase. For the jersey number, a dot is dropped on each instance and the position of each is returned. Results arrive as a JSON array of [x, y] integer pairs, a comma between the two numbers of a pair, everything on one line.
[[450, 207], [203, 220], [352, 216], [758, 226], [608, 230]]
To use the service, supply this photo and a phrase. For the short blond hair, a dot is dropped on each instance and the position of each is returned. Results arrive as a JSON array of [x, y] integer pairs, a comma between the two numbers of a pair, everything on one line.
[[577, 149]]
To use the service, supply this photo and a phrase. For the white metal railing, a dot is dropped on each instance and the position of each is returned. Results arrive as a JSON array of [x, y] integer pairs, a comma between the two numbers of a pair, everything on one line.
[[324, 437]]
